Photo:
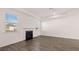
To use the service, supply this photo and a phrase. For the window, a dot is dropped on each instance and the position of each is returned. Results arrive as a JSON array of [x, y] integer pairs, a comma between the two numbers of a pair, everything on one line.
[[11, 22]]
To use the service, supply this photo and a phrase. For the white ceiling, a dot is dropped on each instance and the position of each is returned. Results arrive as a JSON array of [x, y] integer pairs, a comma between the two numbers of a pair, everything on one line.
[[47, 13]]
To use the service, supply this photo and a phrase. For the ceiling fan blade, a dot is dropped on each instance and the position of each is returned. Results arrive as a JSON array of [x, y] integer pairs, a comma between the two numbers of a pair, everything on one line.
[[55, 16]]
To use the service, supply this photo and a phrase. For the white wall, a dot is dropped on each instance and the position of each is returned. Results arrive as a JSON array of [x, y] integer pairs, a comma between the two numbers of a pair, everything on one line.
[[67, 27], [24, 21]]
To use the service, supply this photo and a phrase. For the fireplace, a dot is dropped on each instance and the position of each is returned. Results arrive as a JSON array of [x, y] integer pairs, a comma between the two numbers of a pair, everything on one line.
[[29, 35]]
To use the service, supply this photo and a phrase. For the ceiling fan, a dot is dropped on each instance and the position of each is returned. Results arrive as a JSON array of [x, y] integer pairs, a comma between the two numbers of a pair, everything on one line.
[[53, 13]]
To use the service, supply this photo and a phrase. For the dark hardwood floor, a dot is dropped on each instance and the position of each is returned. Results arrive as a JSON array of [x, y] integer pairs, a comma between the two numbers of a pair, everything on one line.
[[44, 43]]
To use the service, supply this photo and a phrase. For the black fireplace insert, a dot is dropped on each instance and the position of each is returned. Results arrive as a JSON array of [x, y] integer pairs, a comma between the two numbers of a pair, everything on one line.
[[29, 35]]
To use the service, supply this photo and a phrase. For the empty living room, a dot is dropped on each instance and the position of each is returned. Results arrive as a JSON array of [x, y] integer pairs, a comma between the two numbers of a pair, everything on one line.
[[39, 29]]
